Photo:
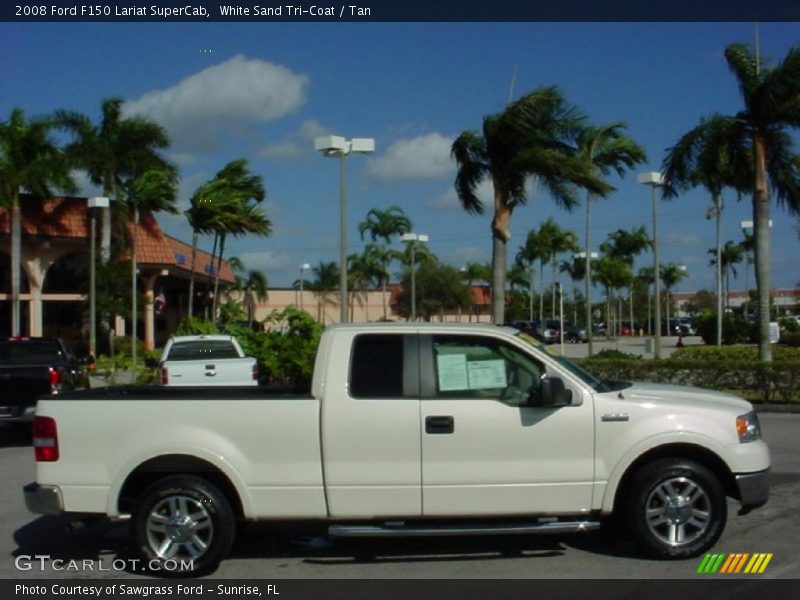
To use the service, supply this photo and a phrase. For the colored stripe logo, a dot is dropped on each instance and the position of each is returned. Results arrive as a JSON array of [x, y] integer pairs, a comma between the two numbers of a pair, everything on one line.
[[735, 563]]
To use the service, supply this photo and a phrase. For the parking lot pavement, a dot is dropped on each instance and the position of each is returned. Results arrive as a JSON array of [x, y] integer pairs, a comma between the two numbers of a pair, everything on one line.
[[289, 553], [628, 344]]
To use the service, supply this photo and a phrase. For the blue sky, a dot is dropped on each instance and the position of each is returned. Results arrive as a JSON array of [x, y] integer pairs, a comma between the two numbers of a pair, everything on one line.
[[263, 91]]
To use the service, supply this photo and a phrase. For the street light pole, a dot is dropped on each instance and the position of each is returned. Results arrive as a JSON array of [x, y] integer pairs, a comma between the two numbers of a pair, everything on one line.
[[303, 268], [334, 146], [413, 238], [588, 257], [655, 179], [91, 203]]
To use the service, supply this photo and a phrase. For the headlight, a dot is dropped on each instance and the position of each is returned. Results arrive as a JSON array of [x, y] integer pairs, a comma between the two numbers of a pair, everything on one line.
[[748, 428]]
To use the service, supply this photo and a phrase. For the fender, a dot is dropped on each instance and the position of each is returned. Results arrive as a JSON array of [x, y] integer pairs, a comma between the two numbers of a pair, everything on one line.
[[662, 439]]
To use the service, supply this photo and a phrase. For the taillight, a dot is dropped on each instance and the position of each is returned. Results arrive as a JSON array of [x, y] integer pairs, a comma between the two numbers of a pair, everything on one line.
[[55, 380], [45, 439], [254, 372], [164, 376]]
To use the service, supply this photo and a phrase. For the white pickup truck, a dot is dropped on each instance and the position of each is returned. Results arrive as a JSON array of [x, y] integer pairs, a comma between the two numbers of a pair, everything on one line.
[[408, 430], [206, 360]]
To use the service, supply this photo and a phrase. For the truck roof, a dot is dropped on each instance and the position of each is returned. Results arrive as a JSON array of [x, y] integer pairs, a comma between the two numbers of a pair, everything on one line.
[[426, 326]]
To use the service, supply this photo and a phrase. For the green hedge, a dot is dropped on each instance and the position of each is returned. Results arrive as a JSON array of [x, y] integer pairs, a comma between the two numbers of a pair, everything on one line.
[[778, 381]]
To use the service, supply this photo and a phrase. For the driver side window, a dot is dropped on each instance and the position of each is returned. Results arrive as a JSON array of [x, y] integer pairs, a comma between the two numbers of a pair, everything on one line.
[[478, 367]]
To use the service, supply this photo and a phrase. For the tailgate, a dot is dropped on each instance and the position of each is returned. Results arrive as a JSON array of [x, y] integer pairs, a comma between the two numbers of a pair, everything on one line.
[[223, 371], [20, 387]]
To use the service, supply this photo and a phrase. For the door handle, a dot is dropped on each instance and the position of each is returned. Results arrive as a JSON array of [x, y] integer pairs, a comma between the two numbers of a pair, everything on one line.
[[439, 424]]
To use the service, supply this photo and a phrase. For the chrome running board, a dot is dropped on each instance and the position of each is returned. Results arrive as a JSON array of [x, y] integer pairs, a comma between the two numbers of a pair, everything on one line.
[[417, 530]]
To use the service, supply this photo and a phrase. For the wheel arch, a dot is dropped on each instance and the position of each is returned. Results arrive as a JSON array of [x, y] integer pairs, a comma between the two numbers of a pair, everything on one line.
[[153, 469], [694, 452]]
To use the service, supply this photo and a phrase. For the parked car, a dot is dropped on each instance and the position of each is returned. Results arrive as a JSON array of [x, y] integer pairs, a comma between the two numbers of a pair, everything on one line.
[[34, 366], [205, 360], [407, 430], [573, 334], [546, 335]]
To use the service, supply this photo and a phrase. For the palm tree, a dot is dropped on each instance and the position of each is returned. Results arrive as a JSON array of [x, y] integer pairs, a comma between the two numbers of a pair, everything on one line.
[[561, 241], [153, 190], [576, 270], [711, 157], [770, 110], [726, 260], [536, 248], [113, 150], [384, 224], [532, 137], [31, 161], [232, 198], [326, 280], [613, 274], [626, 246], [604, 149], [363, 271], [646, 276], [671, 275]]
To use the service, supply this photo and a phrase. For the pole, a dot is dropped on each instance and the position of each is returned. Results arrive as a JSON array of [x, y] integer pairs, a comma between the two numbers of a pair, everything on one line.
[[413, 285], [718, 207], [301, 288], [530, 292], [343, 240], [133, 287], [588, 276], [657, 278], [92, 285], [561, 314]]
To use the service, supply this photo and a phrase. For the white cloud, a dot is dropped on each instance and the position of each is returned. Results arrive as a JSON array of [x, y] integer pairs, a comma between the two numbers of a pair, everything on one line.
[[423, 157], [297, 144], [239, 91], [264, 261]]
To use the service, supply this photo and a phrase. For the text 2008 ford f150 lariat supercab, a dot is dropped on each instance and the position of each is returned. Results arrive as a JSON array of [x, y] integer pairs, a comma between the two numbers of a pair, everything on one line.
[[409, 429]]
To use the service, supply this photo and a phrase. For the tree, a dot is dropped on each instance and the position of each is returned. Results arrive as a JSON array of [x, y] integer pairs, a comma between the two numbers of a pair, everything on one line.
[[438, 288], [613, 274], [363, 271], [253, 284], [712, 157], [532, 137], [729, 256], [114, 150], [326, 280], [29, 161], [232, 197], [560, 241], [771, 108], [671, 275], [384, 224], [646, 277], [626, 246], [604, 149], [536, 248]]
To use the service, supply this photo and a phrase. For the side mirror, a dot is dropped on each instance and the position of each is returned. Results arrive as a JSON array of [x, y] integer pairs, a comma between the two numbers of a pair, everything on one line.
[[552, 393], [151, 363]]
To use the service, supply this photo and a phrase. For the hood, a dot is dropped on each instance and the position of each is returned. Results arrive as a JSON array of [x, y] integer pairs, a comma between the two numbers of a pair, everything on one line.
[[683, 395]]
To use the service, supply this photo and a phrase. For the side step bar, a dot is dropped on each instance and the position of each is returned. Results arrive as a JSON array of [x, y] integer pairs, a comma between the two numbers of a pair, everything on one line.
[[402, 530]]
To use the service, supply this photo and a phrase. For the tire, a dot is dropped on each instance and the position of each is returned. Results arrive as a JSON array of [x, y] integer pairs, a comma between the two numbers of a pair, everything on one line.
[[676, 508], [183, 518]]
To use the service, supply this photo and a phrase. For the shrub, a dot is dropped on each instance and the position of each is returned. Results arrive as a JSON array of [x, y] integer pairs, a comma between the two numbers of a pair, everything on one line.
[[735, 330], [612, 354]]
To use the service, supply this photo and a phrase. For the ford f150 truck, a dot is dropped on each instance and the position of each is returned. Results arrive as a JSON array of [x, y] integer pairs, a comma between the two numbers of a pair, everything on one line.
[[205, 360], [408, 430]]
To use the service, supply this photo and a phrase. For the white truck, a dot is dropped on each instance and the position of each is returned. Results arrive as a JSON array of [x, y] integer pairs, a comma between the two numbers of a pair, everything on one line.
[[408, 430], [205, 360]]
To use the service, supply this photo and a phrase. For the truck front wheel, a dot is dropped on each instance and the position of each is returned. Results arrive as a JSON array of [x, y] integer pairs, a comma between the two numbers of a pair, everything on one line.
[[183, 526], [675, 508]]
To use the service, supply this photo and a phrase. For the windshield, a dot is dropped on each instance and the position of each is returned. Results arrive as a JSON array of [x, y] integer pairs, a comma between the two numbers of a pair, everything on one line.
[[596, 383]]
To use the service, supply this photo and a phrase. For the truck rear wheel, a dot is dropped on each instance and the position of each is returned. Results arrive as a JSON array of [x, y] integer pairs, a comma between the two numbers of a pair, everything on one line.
[[676, 508], [183, 526]]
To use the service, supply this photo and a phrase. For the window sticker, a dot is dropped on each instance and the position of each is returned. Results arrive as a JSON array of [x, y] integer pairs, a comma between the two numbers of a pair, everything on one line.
[[487, 374], [452, 372]]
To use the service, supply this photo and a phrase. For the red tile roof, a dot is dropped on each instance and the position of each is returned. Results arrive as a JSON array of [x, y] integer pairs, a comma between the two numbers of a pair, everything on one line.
[[66, 217]]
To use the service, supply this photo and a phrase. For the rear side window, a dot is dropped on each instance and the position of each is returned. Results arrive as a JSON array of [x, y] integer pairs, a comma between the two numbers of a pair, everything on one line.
[[202, 350], [29, 352], [376, 369]]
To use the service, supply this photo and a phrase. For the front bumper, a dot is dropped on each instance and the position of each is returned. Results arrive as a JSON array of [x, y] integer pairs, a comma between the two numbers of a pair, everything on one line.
[[43, 499], [753, 489]]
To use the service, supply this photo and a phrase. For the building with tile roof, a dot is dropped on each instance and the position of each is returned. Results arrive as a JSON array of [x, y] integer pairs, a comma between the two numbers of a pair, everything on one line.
[[54, 273]]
